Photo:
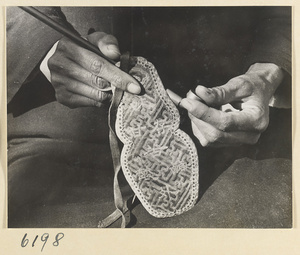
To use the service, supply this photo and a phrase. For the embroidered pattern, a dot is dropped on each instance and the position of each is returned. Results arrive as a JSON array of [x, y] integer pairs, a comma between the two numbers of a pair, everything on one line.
[[158, 159]]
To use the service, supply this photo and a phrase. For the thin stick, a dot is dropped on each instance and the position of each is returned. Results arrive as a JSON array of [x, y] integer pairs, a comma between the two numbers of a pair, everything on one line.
[[64, 31]]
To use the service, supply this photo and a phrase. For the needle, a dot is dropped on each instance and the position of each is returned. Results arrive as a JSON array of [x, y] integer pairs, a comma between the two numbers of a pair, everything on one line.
[[176, 99]]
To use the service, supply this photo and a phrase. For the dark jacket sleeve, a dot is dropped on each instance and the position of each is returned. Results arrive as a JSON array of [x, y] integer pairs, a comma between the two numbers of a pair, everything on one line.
[[28, 40], [272, 42]]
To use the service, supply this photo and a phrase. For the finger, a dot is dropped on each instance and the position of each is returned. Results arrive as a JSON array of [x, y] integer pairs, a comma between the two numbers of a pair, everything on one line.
[[66, 68], [81, 101], [107, 44], [80, 89], [72, 100], [206, 142], [234, 90], [100, 67], [87, 91], [210, 136], [251, 119], [196, 131]]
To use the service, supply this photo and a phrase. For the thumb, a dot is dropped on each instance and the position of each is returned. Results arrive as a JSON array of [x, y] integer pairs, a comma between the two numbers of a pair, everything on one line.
[[234, 90], [108, 44]]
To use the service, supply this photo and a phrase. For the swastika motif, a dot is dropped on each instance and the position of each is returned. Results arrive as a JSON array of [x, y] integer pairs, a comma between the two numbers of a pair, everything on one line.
[[159, 160]]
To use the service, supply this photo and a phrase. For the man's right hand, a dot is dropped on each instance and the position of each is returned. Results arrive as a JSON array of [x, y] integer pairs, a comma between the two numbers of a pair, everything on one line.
[[82, 78]]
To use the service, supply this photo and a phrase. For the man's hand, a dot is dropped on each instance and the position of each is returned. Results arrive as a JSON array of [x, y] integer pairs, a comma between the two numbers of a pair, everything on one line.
[[82, 78], [250, 93]]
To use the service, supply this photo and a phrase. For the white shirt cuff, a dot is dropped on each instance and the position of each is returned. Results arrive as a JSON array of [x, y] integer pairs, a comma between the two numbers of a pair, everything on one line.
[[44, 65]]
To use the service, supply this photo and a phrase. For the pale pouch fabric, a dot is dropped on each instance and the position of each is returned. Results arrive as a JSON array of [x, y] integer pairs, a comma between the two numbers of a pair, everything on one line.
[[158, 159]]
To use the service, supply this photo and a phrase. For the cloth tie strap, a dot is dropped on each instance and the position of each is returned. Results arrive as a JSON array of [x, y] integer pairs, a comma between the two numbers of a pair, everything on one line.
[[115, 152]]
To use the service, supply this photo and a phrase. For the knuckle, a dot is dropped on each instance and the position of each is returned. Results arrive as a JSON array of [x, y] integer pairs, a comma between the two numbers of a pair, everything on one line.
[[237, 81], [55, 63], [262, 125], [71, 102], [98, 96], [219, 95], [52, 61], [63, 44], [221, 92], [261, 120], [213, 137], [117, 81], [55, 80], [247, 88], [224, 123], [96, 80], [243, 84], [96, 66]]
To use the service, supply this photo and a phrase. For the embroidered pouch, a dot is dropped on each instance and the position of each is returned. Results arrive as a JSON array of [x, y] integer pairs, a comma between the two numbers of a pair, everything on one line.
[[158, 159]]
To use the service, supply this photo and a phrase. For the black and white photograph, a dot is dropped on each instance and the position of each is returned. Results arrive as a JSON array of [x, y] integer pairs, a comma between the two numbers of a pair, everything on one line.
[[149, 117]]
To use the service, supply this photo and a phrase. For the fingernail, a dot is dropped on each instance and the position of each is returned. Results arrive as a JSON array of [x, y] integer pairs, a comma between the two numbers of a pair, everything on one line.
[[201, 90], [114, 49], [185, 103], [192, 95], [133, 88]]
